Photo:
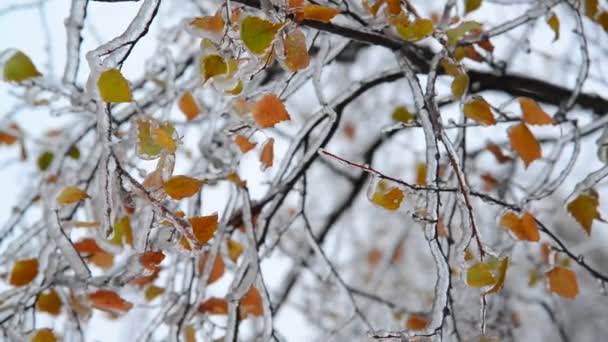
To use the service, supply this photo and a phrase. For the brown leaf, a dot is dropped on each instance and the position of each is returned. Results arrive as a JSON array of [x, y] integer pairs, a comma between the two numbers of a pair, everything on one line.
[[498, 154], [151, 259], [416, 322], [524, 143]]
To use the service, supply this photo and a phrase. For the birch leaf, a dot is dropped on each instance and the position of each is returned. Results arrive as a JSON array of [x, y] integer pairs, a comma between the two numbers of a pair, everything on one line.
[[269, 111], [180, 187], [71, 195], [296, 52], [188, 106], [204, 227], [114, 87], [49, 302], [320, 13], [584, 210], [19, 67], [533, 114], [267, 154], [44, 335], [258, 34], [524, 143], [478, 110], [109, 301], [24, 271], [562, 281]]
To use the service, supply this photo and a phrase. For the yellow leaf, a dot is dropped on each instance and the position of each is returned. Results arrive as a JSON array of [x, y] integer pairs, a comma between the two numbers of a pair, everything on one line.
[[44, 335], [109, 301], [123, 228], [533, 114], [188, 106], [204, 227], [524, 143], [267, 154], [49, 302], [19, 67], [24, 271], [502, 274], [459, 31], [152, 292], [114, 87], [584, 210], [421, 174], [164, 140], [258, 34], [213, 65], [401, 114], [562, 281], [189, 334], [460, 84], [211, 23], [553, 23], [419, 29], [235, 250], [480, 275], [471, 5], [180, 187], [70, 195], [478, 110], [269, 111], [320, 13], [243, 143], [296, 52], [389, 199], [147, 147], [234, 178], [237, 89]]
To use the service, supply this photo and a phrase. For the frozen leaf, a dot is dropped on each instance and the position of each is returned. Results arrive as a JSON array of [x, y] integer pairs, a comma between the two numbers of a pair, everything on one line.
[[44, 335], [102, 260], [460, 84], [49, 302], [502, 274], [164, 140], [235, 250], [524, 143], [180, 187], [553, 23], [87, 246], [393, 7], [24, 271], [151, 259], [471, 5], [591, 8], [562, 281], [188, 106], [402, 114], [478, 110], [267, 154], [213, 65], [258, 34], [251, 304], [497, 152], [459, 31], [296, 52], [45, 160], [189, 334], [320, 13], [416, 322], [109, 301], [114, 87], [524, 228], [243, 143], [152, 292], [122, 228], [204, 227], [387, 198], [212, 23], [217, 271], [71, 195], [269, 111], [419, 29], [533, 114], [237, 89], [19, 67], [584, 209], [421, 174], [480, 275], [146, 279], [214, 306]]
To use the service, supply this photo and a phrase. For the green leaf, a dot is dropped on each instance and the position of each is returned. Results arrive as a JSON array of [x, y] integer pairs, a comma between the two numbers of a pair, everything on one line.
[[401, 114], [257, 34], [74, 153], [19, 68], [213, 65], [45, 160], [113, 87], [456, 33], [471, 5]]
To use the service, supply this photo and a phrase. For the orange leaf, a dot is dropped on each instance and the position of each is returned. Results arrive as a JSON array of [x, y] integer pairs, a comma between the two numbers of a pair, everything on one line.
[[524, 143], [563, 282], [584, 209], [179, 187], [394, 7], [416, 322], [296, 52], [189, 334], [24, 271], [479, 111], [267, 155], [524, 228], [102, 260], [151, 259], [146, 279], [44, 335], [498, 154], [251, 304], [7, 138], [533, 113], [87, 246], [109, 301], [204, 227], [188, 106], [320, 13], [49, 302], [217, 271], [269, 111], [244, 144], [214, 306], [164, 140]]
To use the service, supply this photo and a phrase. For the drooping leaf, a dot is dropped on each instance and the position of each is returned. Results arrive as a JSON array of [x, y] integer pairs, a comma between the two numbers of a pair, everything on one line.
[[478, 110], [402, 114], [238, 88], [258, 34], [71, 195], [296, 52], [251, 304], [460, 84], [480, 275], [49, 302], [123, 232], [235, 250], [243, 143], [214, 306], [562, 281], [459, 31], [533, 114], [584, 209], [416, 322], [217, 271], [320, 13], [151, 259], [387, 198], [419, 29], [109, 301], [213, 65], [45, 160], [152, 292], [269, 111], [19, 67], [114, 87], [267, 154], [553, 23], [204, 227], [180, 187], [421, 173], [524, 143], [24, 271], [502, 275], [524, 228], [471, 5], [44, 335], [188, 106]]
